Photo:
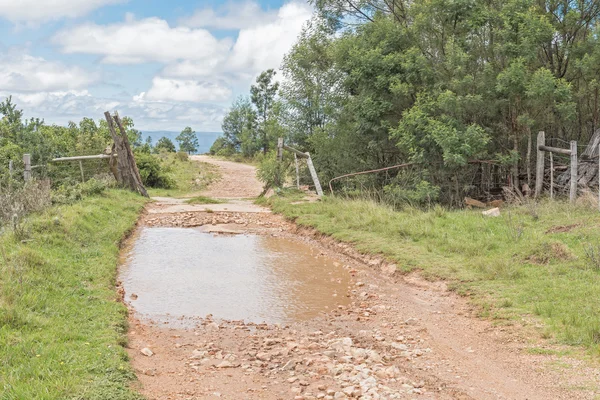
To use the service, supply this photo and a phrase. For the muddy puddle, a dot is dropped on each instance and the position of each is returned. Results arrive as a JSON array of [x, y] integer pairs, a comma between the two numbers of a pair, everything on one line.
[[177, 274]]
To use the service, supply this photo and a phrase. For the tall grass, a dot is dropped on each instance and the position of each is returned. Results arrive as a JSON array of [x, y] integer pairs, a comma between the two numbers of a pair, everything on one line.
[[62, 327], [534, 259]]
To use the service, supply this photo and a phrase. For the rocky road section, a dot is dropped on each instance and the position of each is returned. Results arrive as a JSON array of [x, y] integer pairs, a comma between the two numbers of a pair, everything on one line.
[[402, 337]]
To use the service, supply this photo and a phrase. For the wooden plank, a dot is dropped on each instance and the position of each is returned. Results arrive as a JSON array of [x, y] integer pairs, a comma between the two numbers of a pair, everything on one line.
[[79, 158], [313, 173], [539, 171], [573, 189], [27, 171], [555, 150], [297, 152]]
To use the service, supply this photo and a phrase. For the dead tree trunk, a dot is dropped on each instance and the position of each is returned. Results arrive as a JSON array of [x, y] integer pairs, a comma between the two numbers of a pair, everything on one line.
[[588, 165], [127, 174]]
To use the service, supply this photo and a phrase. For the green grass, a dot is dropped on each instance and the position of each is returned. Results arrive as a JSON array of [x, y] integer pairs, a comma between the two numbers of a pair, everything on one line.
[[190, 177], [203, 200], [62, 328], [512, 266]]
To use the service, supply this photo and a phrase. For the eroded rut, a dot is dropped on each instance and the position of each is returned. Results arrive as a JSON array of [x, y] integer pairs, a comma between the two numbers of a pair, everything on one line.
[[376, 335]]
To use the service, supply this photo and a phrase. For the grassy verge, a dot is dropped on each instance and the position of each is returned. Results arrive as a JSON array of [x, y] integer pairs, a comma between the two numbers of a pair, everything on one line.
[[538, 260], [203, 200], [62, 327], [189, 176]]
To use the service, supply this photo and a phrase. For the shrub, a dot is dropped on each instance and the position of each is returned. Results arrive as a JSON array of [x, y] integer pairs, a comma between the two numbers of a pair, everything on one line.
[[421, 194], [152, 172], [271, 172], [182, 156], [17, 202]]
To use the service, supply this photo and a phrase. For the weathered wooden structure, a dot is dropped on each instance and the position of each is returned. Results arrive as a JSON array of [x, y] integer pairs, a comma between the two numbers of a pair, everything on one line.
[[541, 162], [588, 165], [120, 157], [127, 172], [311, 167]]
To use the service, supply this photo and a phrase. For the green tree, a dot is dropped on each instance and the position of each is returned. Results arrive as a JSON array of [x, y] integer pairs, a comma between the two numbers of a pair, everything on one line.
[[239, 128], [263, 97], [188, 140], [312, 90], [164, 144]]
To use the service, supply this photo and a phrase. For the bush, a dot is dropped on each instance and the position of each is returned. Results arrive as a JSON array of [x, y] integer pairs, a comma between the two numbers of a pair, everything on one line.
[[152, 172], [18, 201], [422, 193], [182, 156], [271, 172]]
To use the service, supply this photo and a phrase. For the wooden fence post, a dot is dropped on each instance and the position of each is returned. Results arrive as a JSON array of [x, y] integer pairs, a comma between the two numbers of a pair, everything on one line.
[[297, 171], [127, 171], [313, 173], [280, 149], [551, 175], [573, 189], [539, 172], [599, 177], [27, 171]]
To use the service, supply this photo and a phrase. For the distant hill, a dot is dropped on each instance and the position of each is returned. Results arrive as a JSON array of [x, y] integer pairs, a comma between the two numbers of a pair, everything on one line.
[[205, 139]]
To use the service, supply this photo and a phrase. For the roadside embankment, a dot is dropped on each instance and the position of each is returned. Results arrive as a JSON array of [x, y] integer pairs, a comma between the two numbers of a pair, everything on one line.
[[534, 262], [62, 324]]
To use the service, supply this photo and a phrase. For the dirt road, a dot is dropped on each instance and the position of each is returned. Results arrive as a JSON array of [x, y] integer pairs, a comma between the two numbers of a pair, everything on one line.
[[238, 181], [401, 337]]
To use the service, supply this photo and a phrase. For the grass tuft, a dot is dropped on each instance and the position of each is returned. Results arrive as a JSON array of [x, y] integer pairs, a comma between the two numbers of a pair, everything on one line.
[[204, 200]]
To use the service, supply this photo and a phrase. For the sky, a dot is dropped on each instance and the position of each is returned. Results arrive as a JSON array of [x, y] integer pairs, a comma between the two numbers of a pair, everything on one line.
[[166, 64]]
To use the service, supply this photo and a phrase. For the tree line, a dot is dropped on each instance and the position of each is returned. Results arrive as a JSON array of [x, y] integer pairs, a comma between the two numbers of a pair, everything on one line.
[[457, 87], [45, 142]]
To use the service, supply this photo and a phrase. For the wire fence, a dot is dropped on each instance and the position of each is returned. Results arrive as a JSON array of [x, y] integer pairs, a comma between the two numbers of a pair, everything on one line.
[[56, 173]]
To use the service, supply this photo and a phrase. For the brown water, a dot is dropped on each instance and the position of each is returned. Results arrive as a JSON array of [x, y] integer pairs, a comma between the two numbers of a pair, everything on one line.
[[179, 272]]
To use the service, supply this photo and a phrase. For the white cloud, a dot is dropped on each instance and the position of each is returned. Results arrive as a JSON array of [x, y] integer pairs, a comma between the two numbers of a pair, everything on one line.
[[186, 90], [20, 71], [146, 40], [232, 16], [33, 11], [198, 67], [192, 53], [263, 47]]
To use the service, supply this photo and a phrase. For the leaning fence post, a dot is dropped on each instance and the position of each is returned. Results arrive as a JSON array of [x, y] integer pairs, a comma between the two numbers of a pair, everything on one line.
[[313, 173], [27, 171], [539, 172], [297, 171], [598, 176], [573, 190]]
